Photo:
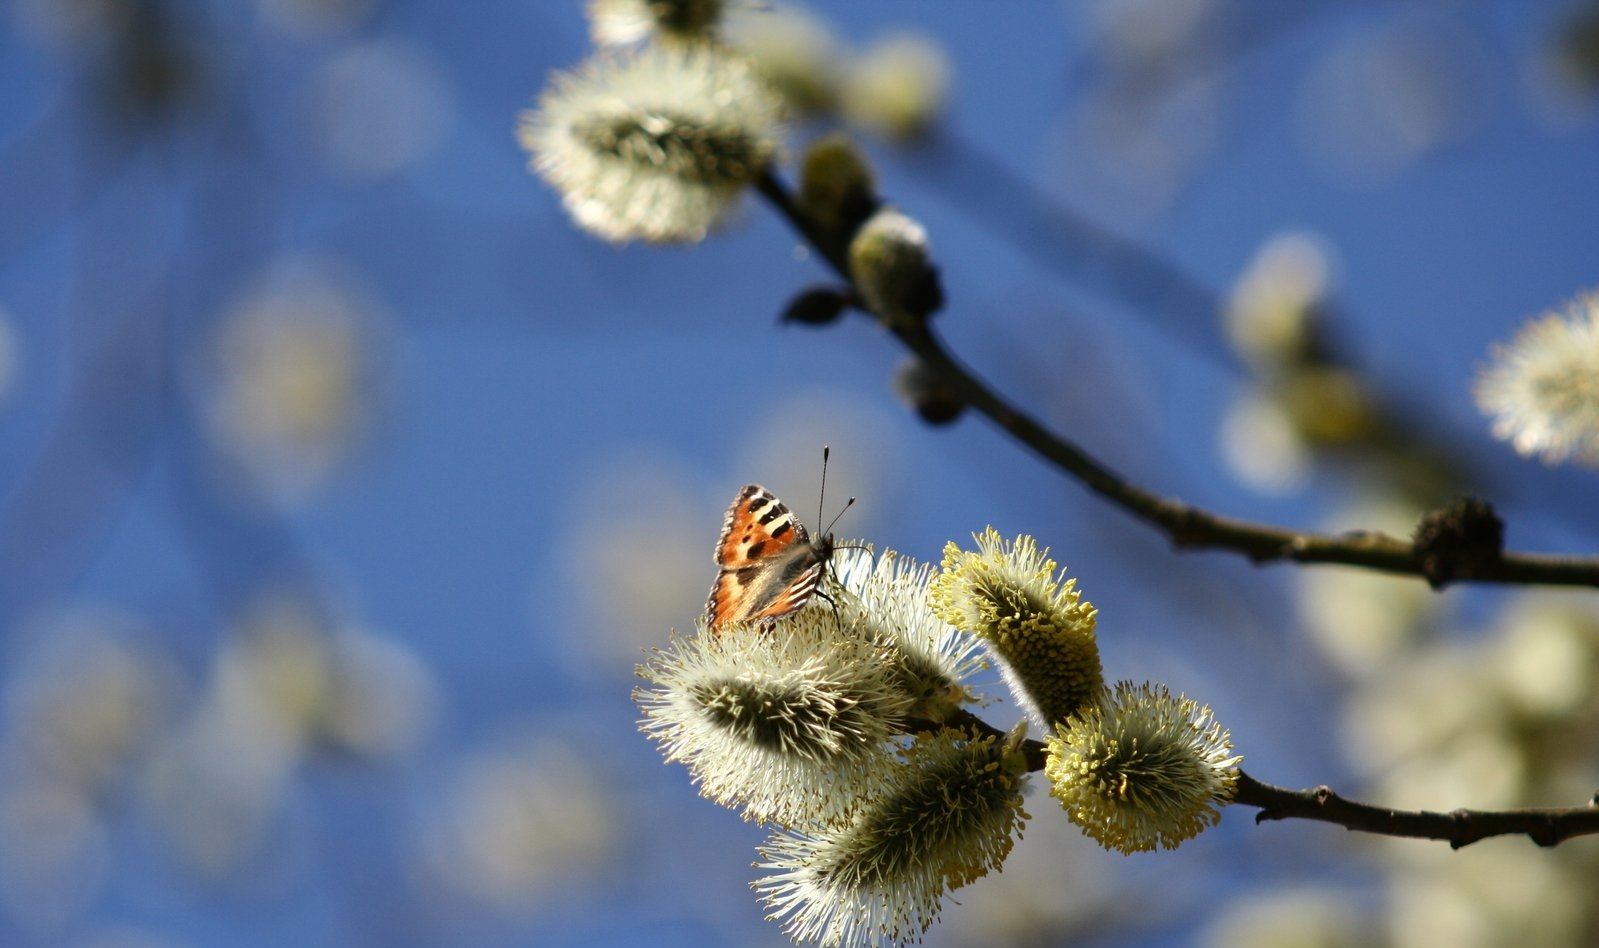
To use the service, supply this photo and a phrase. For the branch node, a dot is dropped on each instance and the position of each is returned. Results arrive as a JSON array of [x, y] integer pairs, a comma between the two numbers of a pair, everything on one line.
[[1546, 833], [1182, 523], [1461, 540], [1295, 548]]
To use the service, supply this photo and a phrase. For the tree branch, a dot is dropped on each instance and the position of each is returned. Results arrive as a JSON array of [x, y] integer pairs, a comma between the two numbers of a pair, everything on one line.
[[1544, 826], [1187, 526]]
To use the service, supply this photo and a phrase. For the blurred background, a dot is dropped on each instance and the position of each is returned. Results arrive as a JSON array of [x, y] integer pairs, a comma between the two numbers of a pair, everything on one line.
[[343, 482]]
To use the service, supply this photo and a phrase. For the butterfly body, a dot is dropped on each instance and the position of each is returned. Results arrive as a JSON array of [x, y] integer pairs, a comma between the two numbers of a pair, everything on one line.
[[768, 564]]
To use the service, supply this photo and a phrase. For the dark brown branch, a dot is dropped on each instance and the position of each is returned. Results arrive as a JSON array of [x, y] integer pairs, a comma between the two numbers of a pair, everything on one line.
[[1187, 526], [1544, 826]]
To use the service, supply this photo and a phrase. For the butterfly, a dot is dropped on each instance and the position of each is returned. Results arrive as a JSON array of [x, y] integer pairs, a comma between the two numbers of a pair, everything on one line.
[[768, 564]]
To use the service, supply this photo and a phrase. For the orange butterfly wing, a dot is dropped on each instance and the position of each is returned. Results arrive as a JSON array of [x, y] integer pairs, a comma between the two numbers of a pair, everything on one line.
[[757, 526], [756, 532]]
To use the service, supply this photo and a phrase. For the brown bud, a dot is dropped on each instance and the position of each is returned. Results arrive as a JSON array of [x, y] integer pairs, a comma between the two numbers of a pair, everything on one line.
[[816, 306], [1459, 540]]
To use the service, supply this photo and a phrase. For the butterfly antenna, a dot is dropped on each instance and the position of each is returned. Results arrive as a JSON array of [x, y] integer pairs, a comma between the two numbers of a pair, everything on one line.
[[840, 514], [826, 449]]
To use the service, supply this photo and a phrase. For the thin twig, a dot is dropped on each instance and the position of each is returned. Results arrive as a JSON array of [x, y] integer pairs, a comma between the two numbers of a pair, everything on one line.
[[1187, 526], [1544, 826]]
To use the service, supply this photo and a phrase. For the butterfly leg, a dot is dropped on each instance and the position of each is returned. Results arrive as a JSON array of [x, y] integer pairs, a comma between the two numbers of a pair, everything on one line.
[[832, 604]]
